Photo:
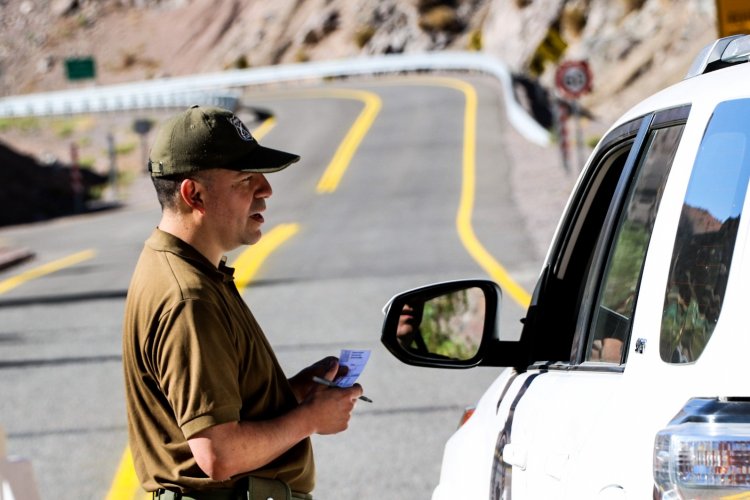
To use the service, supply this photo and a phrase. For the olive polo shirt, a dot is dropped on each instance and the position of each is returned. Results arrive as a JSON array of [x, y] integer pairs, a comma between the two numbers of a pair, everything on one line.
[[195, 357]]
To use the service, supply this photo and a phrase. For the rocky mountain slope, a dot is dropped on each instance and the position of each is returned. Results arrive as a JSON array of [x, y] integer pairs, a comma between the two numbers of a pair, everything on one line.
[[633, 47]]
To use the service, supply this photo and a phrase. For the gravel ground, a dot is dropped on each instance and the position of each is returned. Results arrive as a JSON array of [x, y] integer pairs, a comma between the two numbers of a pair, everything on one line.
[[541, 187]]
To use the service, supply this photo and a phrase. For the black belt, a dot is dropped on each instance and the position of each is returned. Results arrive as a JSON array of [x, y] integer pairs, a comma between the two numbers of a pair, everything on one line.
[[251, 488], [217, 494]]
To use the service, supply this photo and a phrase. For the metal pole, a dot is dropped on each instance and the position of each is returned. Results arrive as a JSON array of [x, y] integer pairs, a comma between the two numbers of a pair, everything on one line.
[[562, 119], [112, 166], [76, 183], [579, 135]]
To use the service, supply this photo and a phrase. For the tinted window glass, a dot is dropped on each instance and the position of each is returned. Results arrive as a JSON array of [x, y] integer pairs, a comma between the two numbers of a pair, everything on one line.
[[614, 309], [706, 234]]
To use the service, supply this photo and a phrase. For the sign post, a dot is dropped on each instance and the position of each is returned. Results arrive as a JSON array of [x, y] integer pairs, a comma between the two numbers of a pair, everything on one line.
[[76, 182], [142, 127], [573, 79]]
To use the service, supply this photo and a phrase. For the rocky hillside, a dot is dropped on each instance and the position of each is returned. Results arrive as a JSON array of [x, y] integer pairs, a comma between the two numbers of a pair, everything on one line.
[[634, 47]]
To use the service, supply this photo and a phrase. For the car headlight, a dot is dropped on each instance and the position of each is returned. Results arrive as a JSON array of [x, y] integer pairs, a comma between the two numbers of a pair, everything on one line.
[[704, 453]]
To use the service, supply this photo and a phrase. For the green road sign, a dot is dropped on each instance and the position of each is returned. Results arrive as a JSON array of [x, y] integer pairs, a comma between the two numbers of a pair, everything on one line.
[[80, 68]]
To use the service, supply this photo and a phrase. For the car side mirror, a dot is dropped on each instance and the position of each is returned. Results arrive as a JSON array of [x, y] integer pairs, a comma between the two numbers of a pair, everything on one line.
[[446, 325]]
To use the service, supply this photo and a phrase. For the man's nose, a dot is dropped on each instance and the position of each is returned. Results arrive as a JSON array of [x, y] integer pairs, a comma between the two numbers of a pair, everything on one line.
[[264, 190]]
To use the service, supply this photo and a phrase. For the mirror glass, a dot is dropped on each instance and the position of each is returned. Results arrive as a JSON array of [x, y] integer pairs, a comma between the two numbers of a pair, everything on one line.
[[447, 326]]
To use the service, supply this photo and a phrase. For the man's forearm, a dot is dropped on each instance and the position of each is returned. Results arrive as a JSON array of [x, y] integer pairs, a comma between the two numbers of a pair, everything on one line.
[[225, 450]]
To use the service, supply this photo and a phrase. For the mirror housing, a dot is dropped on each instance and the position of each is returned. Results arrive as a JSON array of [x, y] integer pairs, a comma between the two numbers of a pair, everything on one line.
[[450, 325]]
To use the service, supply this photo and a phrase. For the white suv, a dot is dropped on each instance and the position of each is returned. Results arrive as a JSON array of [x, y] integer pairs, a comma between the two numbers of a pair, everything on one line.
[[631, 378]]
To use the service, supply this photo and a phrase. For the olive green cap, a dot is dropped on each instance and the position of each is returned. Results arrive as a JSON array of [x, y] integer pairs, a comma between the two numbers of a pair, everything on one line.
[[201, 138]]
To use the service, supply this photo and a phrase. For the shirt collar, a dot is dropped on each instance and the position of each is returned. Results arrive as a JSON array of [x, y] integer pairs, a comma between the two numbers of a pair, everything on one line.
[[162, 241]]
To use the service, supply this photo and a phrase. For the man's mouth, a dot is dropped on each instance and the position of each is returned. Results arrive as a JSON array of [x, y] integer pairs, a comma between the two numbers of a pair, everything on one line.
[[257, 217]]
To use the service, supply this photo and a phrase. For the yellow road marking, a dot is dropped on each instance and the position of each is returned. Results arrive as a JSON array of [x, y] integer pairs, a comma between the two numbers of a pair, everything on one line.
[[51, 267], [466, 205], [264, 128], [125, 485], [249, 261], [345, 152], [341, 159]]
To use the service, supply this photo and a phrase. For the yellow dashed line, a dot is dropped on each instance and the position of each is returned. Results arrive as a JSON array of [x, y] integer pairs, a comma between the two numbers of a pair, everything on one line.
[[345, 152], [126, 485], [247, 264], [264, 128], [51, 267], [341, 159]]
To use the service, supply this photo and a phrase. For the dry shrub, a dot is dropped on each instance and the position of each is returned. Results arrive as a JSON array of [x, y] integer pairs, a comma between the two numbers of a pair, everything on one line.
[[475, 41], [631, 5], [441, 18], [241, 62], [363, 35], [573, 20], [301, 56], [424, 6]]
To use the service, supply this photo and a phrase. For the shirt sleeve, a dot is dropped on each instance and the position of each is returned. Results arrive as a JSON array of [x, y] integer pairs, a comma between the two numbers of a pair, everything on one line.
[[197, 362]]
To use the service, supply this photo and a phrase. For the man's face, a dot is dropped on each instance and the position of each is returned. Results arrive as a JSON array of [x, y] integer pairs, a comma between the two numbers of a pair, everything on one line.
[[408, 321], [234, 205]]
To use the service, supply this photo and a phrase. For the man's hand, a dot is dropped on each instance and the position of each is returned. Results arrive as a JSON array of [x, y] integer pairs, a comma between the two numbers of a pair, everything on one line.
[[327, 368], [330, 408]]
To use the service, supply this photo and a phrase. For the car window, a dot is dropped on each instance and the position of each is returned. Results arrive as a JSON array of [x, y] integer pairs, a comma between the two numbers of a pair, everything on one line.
[[553, 315], [706, 234], [617, 197], [613, 310]]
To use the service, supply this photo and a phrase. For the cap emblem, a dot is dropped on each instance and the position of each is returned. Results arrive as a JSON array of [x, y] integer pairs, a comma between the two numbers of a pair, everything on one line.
[[242, 130]]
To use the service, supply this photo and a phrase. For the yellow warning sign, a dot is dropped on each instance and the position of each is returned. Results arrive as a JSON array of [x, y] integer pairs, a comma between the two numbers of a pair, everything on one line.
[[733, 17], [549, 51]]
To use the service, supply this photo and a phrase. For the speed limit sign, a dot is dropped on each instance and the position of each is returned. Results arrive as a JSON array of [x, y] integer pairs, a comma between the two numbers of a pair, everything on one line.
[[573, 78]]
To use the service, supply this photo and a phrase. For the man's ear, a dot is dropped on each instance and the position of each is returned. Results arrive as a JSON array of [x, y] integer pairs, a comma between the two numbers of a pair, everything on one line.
[[191, 193]]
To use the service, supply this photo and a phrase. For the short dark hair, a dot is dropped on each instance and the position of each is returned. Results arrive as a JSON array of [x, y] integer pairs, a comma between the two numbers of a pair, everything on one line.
[[168, 186], [168, 189]]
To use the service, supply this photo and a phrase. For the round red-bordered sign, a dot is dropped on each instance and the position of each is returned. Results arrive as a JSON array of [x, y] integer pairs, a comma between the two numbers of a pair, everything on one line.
[[573, 78]]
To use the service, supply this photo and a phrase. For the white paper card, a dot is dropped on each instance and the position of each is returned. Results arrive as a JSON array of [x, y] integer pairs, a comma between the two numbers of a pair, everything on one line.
[[356, 362]]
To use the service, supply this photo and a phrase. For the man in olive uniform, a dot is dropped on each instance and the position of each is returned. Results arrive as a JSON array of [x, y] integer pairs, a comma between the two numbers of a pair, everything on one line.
[[211, 414]]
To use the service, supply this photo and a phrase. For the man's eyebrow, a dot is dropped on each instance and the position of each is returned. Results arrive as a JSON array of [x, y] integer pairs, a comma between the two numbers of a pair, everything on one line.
[[243, 177]]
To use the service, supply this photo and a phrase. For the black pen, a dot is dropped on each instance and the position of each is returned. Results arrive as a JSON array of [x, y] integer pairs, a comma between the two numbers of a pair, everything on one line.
[[328, 383]]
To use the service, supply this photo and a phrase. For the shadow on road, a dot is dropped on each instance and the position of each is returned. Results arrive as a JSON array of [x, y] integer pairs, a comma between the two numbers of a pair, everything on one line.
[[64, 299]]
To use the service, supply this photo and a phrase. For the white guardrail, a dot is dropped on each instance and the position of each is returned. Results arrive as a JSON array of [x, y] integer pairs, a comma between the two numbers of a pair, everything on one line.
[[211, 88]]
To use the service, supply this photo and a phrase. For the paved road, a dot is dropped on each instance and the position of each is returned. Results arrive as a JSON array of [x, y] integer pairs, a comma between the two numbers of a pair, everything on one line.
[[390, 224]]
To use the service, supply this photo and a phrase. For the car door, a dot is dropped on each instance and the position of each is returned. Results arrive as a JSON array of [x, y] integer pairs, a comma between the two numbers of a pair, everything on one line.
[[579, 324]]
